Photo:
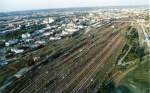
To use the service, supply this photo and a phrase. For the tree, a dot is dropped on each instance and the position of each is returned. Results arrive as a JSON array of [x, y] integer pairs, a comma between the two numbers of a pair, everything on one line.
[[140, 52]]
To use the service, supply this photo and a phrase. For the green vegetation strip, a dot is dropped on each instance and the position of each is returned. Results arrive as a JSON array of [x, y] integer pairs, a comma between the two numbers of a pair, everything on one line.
[[137, 78]]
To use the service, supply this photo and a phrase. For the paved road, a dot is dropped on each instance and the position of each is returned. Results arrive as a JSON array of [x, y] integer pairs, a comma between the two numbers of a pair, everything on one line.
[[146, 35], [143, 34]]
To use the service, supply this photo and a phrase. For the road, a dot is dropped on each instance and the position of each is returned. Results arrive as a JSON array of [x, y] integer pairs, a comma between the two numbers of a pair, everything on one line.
[[144, 35]]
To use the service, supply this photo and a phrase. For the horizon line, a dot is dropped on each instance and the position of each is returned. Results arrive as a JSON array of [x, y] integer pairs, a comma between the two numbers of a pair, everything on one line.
[[123, 6]]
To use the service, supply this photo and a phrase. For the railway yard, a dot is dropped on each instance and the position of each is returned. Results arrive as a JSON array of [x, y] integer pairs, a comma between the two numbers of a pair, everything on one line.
[[75, 71], [89, 52]]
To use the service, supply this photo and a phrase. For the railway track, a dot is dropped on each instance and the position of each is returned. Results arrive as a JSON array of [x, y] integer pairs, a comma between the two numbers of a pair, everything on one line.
[[73, 62], [61, 91], [80, 75], [92, 71], [76, 68], [50, 77], [58, 92]]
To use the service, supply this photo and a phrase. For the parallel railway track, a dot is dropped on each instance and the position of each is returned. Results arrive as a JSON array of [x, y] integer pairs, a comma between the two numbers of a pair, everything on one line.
[[70, 73]]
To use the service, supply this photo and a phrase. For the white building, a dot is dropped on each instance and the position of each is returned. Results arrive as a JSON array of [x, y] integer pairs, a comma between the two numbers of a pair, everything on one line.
[[64, 33], [54, 38], [40, 42], [11, 42], [48, 21], [47, 33], [17, 51], [26, 35], [71, 30]]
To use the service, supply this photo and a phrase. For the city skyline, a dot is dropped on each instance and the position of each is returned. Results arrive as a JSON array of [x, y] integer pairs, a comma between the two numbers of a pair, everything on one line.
[[18, 5]]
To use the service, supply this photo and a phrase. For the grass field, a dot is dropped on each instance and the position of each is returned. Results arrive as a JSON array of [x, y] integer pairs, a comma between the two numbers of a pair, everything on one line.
[[137, 80]]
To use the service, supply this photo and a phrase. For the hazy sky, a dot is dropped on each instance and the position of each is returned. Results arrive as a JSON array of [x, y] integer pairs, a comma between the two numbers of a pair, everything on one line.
[[13, 5]]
